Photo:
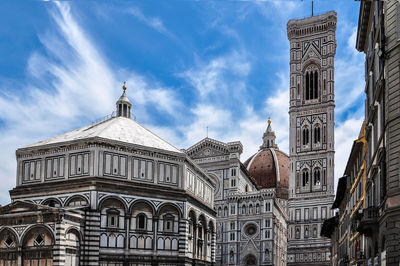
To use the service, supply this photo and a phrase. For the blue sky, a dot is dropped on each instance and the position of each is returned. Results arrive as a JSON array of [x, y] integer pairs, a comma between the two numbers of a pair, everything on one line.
[[188, 65]]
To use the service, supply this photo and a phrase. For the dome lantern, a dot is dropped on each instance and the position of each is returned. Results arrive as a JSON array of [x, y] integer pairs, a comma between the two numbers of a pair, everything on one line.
[[123, 104], [269, 138]]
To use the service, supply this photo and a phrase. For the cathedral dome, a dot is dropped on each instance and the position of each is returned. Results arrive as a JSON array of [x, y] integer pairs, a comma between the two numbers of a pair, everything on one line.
[[270, 166]]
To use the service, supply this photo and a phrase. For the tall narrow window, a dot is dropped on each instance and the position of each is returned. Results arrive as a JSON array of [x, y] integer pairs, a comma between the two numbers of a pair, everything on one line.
[[311, 86], [317, 177], [315, 85], [305, 178], [141, 221], [307, 86], [306, 135], [317, 134]]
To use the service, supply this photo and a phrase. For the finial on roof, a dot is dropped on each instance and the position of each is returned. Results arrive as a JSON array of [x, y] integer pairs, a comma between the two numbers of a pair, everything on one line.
[[269, 120], [124, 86]]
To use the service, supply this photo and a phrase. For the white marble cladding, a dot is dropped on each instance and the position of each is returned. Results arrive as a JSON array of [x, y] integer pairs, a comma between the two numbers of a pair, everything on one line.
[[114, 163]]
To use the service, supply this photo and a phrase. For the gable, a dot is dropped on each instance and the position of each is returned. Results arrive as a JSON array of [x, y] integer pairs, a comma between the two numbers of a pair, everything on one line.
[[207, 148], [23, 206], [311, 51]]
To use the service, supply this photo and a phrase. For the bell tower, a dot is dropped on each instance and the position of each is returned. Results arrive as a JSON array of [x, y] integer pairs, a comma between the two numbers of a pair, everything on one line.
[[312, 104]]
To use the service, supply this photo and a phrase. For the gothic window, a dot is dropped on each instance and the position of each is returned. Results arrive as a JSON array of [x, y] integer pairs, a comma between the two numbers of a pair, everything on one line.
[[232, 237], [267, 234], [315, 232], [317, 177], [268, 223], [226, 211], [311, 89], [257, 208], [141, 221], [317, 134], [233, 209], [250, 209], [219, 211], [268, 207], [305, 178], [306, 136], [232, 225], [244, 209]]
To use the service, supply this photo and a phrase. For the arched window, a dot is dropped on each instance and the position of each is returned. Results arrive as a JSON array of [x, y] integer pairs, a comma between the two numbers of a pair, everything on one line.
[[317, 134], [315, 87], [226, 211], [305, 178], [141, 221], [219, 211], [250, 209], [52, 203], [200, 232], [244, 209], [257, 208], [312, 84], [317, 177], [250, 260], [306, 136]]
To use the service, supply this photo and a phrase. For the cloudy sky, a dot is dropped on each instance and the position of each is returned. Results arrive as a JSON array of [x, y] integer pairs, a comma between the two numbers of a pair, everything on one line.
[[187, 64]]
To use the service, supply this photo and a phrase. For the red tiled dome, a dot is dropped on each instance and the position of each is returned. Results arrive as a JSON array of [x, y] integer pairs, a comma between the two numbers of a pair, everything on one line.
[[270, 168]]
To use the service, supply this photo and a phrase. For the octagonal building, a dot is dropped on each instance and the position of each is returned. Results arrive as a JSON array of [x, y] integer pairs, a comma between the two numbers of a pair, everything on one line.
[[110, 193]]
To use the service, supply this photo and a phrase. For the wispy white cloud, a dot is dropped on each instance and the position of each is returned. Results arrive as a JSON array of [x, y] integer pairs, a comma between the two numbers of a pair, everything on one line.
[[349, 76], [345, 133], [220, 76], [153, 22], [76, 85]]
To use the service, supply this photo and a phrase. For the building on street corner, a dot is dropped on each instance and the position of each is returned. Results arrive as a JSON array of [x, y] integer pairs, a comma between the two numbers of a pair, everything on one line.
[[368, 195]]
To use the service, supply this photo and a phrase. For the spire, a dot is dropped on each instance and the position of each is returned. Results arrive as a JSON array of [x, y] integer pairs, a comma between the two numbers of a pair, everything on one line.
[[269, 129], [269, 138], [123, 104]]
